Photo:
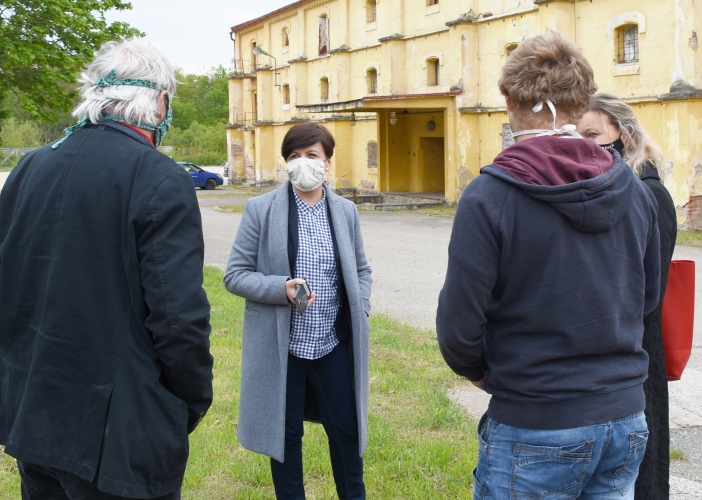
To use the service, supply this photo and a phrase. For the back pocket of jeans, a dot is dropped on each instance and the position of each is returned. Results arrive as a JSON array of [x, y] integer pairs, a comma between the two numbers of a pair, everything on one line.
[[624, 477], [549, 472]]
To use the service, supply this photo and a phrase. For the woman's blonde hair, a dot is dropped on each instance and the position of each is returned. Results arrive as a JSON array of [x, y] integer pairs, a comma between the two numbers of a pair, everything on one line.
[[548, 67], [640, 148]]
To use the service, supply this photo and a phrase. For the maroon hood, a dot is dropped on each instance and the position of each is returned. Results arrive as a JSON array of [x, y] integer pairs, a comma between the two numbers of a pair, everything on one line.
[[554, 161]]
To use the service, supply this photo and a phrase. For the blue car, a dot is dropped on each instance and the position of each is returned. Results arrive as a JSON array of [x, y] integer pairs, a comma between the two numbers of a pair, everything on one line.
[[202, 178]]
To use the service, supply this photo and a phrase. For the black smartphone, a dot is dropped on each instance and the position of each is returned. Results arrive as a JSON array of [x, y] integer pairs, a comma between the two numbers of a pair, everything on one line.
[[302, 296]]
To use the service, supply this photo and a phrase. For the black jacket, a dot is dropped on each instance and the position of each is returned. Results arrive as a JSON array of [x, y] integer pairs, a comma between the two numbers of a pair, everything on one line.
[[652, 482], [104, 325]]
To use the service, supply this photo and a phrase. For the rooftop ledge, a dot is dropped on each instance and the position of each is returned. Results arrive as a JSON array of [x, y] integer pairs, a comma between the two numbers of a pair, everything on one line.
[[332, 107]]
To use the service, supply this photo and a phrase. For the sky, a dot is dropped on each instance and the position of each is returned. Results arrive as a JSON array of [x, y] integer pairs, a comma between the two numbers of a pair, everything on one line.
[[193, 34]]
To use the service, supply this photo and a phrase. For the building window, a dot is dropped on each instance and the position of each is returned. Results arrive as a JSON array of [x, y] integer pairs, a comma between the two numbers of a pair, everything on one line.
[[371, 6], [628, 44], [286, 40], [286, 94], [324, 89], [254, 57], [509, 48], [323, 35], [372, 80], [432, 2], [433, 66], [372, 154]]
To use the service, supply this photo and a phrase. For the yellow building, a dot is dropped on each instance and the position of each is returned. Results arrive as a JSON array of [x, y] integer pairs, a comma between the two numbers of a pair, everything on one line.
[[409, 87]]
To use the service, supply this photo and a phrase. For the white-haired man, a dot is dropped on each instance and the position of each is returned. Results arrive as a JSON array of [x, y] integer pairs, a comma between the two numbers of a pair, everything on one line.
[[104, 326]]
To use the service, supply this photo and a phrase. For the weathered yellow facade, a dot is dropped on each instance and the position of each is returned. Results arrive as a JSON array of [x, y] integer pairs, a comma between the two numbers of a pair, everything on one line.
[[431, 68]]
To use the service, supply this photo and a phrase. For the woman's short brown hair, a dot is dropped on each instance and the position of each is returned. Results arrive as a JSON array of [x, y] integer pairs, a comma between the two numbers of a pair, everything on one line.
[[306, 134], [548, 67]]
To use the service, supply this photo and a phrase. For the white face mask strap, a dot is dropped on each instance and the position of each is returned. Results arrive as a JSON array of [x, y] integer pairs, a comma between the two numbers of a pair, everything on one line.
[[553, 111], [565, 130]]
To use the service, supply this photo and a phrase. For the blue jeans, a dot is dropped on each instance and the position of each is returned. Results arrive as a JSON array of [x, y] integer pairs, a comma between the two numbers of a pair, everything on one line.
[[330, 377], [596, 462]]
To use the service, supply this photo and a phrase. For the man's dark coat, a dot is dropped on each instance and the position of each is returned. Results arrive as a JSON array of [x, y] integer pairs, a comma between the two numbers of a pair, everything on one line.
[[104, 325]]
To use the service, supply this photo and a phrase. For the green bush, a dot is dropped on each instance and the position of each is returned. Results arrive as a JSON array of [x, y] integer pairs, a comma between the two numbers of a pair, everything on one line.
[[202, 159], [20, 134]]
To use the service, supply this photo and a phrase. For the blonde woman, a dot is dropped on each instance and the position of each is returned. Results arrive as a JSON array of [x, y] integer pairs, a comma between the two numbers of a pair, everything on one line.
[[613, 125]]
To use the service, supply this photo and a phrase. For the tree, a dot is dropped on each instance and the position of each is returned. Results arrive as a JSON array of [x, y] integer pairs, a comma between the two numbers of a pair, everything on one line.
[[201, 98], [20, 134], [44, 44]]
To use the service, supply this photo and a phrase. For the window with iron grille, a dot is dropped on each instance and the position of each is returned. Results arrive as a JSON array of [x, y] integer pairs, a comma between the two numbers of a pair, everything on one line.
[[371, 7], [286, 94], [372, 80], [432, 2], [628, 44]]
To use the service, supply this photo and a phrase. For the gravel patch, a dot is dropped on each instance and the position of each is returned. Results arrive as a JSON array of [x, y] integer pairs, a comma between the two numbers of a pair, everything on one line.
[[683, 489], [689, 440]]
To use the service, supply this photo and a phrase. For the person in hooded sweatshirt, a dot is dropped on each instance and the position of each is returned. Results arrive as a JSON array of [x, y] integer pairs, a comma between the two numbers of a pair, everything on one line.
[[553, 264]]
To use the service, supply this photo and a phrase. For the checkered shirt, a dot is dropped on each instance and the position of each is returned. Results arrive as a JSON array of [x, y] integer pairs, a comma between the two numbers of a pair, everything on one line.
[[312, 335]]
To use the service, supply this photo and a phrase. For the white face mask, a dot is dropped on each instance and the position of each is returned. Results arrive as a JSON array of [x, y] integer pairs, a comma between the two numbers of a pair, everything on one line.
[[306, 174]]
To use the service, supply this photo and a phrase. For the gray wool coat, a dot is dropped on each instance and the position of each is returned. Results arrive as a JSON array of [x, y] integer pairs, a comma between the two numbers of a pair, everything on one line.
[[257, 271]]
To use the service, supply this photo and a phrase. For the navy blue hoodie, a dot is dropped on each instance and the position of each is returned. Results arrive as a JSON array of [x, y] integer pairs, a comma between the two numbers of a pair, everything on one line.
[[553, 263]]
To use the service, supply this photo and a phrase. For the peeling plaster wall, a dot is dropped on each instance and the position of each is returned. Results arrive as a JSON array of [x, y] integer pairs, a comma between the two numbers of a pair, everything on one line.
[[235, 149], [472, 53]]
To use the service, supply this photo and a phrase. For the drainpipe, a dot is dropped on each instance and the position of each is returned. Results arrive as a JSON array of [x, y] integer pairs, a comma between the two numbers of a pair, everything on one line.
[[232, 37]]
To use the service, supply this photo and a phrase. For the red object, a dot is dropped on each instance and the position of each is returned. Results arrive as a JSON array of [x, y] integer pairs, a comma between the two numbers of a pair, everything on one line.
[[678, 316], [151, 141]]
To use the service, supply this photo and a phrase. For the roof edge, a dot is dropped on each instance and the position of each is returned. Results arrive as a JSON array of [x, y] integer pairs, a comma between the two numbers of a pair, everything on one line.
[[245, 24]]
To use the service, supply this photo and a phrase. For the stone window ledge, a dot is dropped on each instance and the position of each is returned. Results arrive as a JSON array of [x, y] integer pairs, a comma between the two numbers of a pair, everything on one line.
[[626, 69]]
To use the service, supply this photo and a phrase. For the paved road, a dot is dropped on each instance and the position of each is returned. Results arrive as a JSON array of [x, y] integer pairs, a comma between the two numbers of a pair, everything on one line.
[[408, 254]]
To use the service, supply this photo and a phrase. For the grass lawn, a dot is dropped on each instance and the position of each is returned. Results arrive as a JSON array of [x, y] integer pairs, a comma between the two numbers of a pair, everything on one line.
[[231, 209], [6, 168], [420, 446], [436, 211], [689, 237], [221, 193]]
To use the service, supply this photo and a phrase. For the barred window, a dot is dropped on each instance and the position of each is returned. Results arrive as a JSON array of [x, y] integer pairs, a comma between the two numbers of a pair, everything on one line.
[[628, 44], [371, 7], [372, 80], [286, 94], [432, 2]]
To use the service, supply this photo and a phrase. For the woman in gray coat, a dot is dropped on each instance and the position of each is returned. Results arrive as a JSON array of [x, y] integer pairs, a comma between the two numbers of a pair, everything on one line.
[[313, 364]]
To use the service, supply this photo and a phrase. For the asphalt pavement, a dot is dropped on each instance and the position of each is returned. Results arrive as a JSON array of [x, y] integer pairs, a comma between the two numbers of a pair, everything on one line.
[[408, 255]]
